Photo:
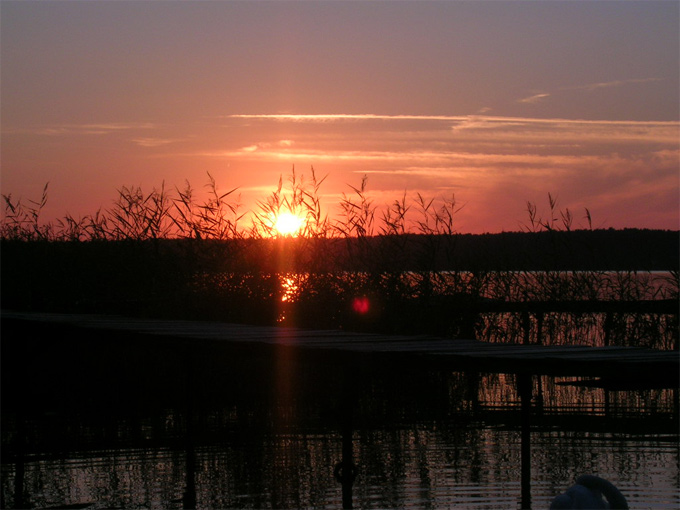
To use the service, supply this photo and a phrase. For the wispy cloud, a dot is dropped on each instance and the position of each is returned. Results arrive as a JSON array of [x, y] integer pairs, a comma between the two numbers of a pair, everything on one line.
[[155, 142], [610, 84], [341, 116], [434, 163], [266, 147], [113, 126], [536, 98], [81, 129], [438, 136], [475, 120]]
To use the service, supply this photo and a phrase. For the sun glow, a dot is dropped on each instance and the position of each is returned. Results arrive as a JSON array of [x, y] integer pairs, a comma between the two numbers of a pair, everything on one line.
[[288, 224]]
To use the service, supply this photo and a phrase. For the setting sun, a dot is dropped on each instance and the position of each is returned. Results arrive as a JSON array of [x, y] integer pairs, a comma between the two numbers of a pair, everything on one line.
[[288, 224]]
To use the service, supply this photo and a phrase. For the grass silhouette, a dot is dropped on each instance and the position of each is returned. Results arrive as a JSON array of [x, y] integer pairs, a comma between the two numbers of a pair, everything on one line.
[[165, 253]]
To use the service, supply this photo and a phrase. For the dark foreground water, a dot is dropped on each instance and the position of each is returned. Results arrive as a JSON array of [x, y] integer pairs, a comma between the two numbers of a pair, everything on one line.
[[108, 422]]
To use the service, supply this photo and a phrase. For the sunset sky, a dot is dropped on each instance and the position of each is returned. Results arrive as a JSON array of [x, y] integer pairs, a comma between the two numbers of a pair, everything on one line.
[[499, 103]]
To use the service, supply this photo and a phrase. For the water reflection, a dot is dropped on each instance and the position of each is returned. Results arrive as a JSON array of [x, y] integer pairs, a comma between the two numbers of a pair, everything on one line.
[[421, 463], [445, 304], [419, 468], [244, 431], [290, 289]]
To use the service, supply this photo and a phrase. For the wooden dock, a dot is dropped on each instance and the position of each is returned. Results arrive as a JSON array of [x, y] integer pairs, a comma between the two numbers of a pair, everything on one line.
[[621, 362]]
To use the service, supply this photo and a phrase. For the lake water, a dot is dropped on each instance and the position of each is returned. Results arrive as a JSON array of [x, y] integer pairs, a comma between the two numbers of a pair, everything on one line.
[[107, 422], [437, 303]]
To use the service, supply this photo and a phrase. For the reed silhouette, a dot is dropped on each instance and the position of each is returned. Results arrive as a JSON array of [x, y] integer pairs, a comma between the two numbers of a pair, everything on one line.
[[168, 252]]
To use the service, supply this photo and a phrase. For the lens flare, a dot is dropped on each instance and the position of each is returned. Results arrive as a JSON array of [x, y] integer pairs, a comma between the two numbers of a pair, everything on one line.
[[361, 305]]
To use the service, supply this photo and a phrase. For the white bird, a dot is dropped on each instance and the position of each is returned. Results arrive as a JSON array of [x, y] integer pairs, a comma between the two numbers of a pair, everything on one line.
[[589, 493]]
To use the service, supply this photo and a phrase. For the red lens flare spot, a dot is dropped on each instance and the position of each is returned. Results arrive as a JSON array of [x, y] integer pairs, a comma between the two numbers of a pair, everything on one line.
[[361, 305]]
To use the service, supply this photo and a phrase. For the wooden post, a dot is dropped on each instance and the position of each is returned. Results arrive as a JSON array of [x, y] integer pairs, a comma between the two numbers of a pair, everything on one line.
[[346, 471], [538, 401], [21, 499], [526, 327], [539, 328], [473, 391], [608, 324], [189, 496], [524, 388]]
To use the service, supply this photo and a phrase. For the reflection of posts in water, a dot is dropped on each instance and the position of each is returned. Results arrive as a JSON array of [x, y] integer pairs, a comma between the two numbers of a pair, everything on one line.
[[524, 388], [472, 391], [19, 476], [20, 498], [189, 496], [346, 471]]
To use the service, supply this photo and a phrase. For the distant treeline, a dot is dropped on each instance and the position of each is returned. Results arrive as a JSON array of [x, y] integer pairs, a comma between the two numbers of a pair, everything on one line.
[[35, 270], [575, 250], [414, 283], [610, 249]]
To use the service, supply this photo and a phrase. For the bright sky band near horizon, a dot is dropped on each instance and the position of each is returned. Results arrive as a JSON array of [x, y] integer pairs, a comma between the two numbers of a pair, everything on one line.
[[497, 102]]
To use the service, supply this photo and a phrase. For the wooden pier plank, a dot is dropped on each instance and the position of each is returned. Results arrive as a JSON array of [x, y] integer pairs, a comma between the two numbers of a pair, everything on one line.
[[494, 356]]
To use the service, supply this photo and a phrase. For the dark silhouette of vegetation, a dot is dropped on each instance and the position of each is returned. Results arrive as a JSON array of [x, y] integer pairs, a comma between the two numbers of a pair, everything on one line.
[[167, 254]]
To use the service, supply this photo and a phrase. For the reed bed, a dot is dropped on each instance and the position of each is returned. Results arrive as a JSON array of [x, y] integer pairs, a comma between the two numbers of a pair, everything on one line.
[[400, 267]]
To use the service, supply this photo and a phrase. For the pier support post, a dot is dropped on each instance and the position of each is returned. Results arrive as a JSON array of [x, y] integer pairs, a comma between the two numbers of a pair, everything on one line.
[[21, 499], [525, 390], [539, 327], [607, 327], [345, 471], [526, 327], [189, 495], [472, 391]]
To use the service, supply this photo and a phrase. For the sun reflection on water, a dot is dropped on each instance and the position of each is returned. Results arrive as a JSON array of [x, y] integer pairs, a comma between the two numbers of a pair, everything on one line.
[[290, 286], [290, 291]]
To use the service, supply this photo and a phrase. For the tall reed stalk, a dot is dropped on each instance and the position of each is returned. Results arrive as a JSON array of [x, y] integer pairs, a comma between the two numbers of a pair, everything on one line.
[[167, 251]]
